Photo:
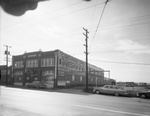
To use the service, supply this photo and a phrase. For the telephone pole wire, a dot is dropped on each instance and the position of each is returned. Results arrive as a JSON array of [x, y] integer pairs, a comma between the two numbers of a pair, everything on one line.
[[7, 53], [99, 22], [86, 52]]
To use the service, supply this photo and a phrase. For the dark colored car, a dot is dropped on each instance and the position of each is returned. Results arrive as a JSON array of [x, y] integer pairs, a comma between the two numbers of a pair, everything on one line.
[[144, 94], [37, 84], [110, 89]]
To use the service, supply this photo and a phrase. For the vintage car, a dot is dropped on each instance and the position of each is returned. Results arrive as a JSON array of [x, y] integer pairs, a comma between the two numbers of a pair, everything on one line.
[[110, 89], [37, 84], [144, 94]]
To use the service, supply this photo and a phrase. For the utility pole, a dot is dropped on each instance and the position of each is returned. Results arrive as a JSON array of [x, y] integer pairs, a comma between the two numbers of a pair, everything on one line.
[[86, 46], [7, 53]]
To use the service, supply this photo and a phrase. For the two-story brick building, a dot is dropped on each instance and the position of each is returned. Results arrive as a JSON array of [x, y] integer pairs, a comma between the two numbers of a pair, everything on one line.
[[55, 68]]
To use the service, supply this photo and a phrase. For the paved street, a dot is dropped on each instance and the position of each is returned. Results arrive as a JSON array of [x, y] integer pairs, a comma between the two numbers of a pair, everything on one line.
[[54, 103]]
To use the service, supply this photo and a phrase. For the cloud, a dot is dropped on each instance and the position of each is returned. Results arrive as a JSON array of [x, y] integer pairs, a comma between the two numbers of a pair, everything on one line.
[[133, 47]]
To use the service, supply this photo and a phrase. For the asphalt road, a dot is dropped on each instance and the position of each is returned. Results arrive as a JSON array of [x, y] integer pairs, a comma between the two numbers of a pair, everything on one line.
[[53, 103]]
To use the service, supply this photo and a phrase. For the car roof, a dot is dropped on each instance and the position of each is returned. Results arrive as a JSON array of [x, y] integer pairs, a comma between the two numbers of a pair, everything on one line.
[[111, 85], [36, 81]]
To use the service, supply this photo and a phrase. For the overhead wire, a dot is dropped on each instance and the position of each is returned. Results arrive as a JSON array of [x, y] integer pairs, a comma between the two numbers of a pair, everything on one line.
[[134, 63], [121, 51], [127, 20], [93, 14], [105, 24], [91, 6], [72, 12], [111, 28], [112, 51], [47, 13], [98, 23], [48, 19], [125, 26]]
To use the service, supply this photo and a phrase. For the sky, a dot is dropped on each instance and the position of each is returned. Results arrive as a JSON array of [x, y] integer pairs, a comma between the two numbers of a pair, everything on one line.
[[121, 43]]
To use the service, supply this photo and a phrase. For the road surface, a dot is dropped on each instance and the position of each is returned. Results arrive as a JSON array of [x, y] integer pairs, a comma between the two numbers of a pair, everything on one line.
[[52, 103]]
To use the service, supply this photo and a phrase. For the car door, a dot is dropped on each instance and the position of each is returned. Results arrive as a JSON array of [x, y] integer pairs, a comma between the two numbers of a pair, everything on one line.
[[148, 94], [119, 90], [112, 90], [105, 89]]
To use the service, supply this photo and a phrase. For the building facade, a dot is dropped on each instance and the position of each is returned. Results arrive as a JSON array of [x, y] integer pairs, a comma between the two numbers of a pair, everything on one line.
[[55, 68], [4, 73]]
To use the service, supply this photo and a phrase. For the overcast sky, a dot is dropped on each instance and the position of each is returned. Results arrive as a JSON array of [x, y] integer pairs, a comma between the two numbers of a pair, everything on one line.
[[121, 43]]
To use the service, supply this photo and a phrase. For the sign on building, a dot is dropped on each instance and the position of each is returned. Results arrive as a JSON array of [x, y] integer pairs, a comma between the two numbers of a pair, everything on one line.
[[129, 84]]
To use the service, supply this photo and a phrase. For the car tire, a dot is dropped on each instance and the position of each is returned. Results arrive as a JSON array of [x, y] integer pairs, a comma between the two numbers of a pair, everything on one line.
[[143, 96], [116, 94], [97, 92]]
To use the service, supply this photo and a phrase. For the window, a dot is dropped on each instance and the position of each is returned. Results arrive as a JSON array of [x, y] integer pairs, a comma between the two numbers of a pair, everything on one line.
[[18, 73], [47, 62], [32, 63], [61, 73], [59, 61], [73, 77], [111, 87], [81, 78], [3, 72], [106, 86], [18, 64], [47, 72]]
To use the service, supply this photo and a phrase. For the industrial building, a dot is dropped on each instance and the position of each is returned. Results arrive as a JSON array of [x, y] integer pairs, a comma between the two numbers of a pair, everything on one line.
[[55, 68]]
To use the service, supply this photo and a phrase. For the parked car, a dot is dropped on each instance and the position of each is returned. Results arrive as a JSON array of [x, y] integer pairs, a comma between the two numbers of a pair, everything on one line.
[[110, 89], [144, 94], [37, 84]]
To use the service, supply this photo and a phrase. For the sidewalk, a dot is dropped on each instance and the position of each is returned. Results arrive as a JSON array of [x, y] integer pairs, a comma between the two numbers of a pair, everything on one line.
[[8, 111], [73, 90]]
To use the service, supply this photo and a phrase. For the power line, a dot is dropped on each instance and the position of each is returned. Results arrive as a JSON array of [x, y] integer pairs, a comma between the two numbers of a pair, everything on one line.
[[120, 51], [99, 23], [121, 62], [108, 24], [73, 11], [44, 21], [47, 13], [127, 20], [113, 22], [125, 26], [111, 51], [93, 13]]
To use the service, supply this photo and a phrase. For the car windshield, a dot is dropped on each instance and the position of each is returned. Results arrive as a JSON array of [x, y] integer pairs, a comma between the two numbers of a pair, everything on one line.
[[36, 82], [106, 86]]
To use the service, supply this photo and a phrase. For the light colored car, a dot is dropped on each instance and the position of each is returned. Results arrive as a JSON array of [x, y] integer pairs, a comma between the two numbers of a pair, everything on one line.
[[110, 89], [37, 84]]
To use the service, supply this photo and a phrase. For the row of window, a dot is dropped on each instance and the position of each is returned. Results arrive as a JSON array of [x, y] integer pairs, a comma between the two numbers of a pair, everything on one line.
[[18, 73], [3, 72], [34, 63], [91, 80]]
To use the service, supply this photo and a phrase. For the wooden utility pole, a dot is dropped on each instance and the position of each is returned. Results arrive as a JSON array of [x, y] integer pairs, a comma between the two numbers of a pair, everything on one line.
[[86, 52], [7, 53]]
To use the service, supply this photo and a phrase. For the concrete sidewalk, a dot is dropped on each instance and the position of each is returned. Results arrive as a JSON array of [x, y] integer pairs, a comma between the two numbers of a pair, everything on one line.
[[9, 111], [72, 90]]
